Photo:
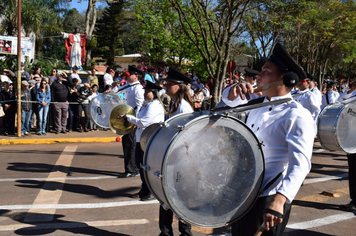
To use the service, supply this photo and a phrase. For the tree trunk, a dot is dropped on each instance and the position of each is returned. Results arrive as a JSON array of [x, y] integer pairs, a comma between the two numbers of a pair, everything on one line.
[[89, 28]]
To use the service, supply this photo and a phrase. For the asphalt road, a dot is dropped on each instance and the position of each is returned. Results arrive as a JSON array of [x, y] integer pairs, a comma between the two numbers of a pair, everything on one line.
[[73, 189]]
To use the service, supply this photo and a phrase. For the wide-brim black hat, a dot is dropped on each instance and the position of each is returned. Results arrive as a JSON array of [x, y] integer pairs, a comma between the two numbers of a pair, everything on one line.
[[176, 76], [330, 84], [310, 77], [285, 62], [250, 72], [152, 86], [135, 70]]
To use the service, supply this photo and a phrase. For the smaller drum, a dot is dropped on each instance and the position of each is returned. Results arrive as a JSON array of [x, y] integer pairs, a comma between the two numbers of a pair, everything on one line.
[[100, 108], [337, 127]]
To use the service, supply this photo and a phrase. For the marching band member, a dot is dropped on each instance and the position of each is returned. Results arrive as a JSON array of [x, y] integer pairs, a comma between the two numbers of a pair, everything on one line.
[[307, 99], [151, 112], [134, 97], [250, 77], [330, 96], [350, 96], [176, 88], [287, 132]]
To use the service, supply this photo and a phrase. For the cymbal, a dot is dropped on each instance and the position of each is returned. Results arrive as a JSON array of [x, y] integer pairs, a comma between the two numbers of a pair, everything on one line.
[[118, 126]]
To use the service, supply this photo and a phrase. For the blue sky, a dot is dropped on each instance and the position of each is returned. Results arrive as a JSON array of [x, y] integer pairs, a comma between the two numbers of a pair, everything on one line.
[[82, 7]]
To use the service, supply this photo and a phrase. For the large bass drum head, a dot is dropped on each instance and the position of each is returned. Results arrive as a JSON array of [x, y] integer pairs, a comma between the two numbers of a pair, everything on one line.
[[346, 128], [213, 171], [100, 108]]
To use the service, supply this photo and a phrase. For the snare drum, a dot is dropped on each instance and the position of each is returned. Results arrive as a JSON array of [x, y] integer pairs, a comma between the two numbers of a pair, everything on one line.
[[100, 108], [337, 127], [207, 169]]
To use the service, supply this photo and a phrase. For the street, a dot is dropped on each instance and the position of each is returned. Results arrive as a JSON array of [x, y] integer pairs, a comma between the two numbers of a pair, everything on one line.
[[72, 188]]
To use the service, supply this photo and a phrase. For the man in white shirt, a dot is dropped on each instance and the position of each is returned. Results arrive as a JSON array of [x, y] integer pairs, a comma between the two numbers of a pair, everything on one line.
[[134, 97], [287, 132], [308, 99], [250, 77], [109, 76], [75, 75]]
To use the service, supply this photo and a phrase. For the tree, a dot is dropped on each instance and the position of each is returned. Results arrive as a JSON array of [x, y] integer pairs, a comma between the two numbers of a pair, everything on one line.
[[210, 25]]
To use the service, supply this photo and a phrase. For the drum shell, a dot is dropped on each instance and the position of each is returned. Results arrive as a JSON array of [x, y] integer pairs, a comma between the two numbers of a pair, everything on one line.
[[158, 154], [336, 127]]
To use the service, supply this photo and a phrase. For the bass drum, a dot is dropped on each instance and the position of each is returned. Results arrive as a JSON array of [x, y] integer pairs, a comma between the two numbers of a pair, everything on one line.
[[207, 169], [100, 108], [337, 127]]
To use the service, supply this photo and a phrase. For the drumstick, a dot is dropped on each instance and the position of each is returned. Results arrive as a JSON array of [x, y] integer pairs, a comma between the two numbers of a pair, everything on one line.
[[260, 230]]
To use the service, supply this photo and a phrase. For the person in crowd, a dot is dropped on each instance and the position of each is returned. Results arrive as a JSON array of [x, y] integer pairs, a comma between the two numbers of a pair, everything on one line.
[[53, 76], [134, 97], [307, 99], [165, 98], [287, 155], [150, 113], [313, 87], [26, 108], [9, 106], [198, 99], [73, 107], [122, 84], [36, 73], [109, 76], [93, 79], [95, 93], [34, 114], [207, 96], [75, 75], [149, 76], [114, 87], [349, 96], [7, 75], [43, 98], [59, 93], [176, 88], [24, 74], [250, 77], [330, 96], [116, 77], [83, 93]]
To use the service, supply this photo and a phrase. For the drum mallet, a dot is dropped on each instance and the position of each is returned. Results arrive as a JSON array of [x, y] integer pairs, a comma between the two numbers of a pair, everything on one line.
[[260, 230]]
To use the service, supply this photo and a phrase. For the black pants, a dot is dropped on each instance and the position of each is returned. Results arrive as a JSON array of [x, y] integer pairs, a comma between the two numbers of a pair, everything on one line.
[[129, 146], [9, 121], [139, 160], [83, 121], [249, 223], [351, 158], [165, 224]]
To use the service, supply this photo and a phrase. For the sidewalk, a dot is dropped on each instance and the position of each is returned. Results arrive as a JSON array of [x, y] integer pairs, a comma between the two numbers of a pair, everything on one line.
[[72, 137]]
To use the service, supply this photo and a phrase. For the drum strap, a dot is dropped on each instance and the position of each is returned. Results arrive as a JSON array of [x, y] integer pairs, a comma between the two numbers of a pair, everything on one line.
[[327, 97], [128, 86], [271, 182]]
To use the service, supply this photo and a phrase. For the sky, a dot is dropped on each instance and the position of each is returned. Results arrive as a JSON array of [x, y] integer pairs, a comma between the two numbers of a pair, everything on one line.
[[82, 7]]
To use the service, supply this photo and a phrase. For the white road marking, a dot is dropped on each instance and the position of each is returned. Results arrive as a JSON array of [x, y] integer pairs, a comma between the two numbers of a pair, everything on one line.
[[327, 178], [319, 150], [77, 206], [320, 222], [71, 225], [47, 196]]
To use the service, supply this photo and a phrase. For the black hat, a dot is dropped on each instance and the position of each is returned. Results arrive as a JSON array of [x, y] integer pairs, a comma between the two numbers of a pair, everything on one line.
[[330, 84], [134, 70], [150, 70], [250, 72], [152, 86], [177, 77], [285, 62], [310, 77]]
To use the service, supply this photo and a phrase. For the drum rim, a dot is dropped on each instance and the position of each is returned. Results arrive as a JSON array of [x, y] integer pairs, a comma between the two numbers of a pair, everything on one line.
[[260, 181], [91, 101]]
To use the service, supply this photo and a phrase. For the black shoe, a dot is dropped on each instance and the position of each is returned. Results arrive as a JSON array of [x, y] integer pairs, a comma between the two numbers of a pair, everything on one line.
[[147, 197], [136, 195], [57, 132], [350, 206], [126, 175]]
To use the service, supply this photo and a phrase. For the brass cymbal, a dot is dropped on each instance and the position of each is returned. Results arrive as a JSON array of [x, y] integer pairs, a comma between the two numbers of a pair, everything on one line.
[[119, 126]]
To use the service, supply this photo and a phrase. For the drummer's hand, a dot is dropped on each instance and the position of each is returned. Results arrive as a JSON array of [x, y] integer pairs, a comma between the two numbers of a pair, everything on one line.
[[242, 90], [277, 204], [122, 117]]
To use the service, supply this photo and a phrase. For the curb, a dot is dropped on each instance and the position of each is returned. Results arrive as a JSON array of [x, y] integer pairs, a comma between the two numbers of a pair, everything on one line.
[[60, 140]]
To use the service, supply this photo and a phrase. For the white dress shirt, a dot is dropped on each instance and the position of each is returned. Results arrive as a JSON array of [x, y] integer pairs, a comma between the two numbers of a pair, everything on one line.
[[108, 79], [183, 107], [344, 97], [151, 112], [134, 95], [287, 132], [309, 101], [332, 96], [317, 92]]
